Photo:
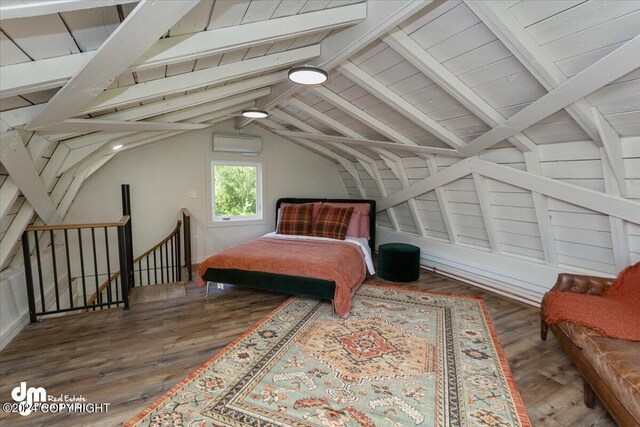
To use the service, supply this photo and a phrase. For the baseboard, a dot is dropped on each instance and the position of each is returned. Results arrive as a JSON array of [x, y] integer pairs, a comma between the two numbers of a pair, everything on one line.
[[513, 277], [10, 333]]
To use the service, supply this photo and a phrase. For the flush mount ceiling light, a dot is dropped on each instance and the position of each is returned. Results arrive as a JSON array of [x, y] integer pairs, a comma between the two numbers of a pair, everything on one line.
[[117, 147], [255, 114], [308, 75]]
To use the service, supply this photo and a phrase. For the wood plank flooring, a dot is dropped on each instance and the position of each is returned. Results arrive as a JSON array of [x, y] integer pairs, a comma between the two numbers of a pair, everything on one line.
[[130, 358]]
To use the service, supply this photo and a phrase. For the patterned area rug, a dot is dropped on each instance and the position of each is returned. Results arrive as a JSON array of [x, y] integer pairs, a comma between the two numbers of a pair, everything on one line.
[[403, 358]]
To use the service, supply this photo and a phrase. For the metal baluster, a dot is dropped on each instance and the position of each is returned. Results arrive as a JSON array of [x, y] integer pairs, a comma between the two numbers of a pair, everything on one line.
[[95, 269], [26, 253], [106, 241], [178, 257], [166, 257], [84, 283], [161, 266], [148, 272], [41, 283], [139, 270], [55, 269], [69, 278], [124, 265], [173, 267], [155, 267]]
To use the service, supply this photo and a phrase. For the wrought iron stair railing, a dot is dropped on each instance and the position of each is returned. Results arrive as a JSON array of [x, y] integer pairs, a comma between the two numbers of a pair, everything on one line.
[[87, 291]]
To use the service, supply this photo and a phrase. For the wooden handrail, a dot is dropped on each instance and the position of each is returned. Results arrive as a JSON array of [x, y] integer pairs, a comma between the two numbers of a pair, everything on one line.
[[115, 275], [123, 221], [162, 242], [186, 212]]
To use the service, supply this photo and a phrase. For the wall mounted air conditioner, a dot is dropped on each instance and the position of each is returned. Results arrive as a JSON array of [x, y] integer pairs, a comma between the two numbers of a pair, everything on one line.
[[244, 144]]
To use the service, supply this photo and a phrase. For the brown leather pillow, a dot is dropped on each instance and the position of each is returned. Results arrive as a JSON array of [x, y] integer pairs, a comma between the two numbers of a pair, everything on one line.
[[332, 222], [295, 219]]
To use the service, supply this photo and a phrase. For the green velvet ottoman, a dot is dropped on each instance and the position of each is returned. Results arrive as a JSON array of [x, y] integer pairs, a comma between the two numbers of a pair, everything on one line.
[[399, 262]]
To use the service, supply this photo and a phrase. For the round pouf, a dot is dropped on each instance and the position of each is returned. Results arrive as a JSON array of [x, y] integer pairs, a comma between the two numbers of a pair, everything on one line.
[[399, 262]]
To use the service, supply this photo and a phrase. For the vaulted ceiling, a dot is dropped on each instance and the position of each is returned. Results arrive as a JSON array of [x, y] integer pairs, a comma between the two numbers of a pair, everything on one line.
[[507, 126]]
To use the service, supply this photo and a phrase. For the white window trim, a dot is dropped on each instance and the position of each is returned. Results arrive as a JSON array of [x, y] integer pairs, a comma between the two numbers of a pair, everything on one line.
[[232, 160]]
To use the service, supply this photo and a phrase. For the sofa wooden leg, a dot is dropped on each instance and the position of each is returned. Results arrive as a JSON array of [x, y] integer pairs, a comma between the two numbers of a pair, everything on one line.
[[543, 329], [589, 394]]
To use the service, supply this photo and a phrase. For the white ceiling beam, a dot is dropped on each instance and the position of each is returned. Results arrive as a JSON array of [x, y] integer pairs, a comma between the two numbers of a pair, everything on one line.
[[399, 104], [541, 207], [9, 191], [480, 183], [54, 72], [136, 139], [432, 68], [96, 125], [226, 113], [267, 127], [42, 74], [321, 117], [452, 173], [443, 201], [12, 9], [198, 115], [293, 121], [305, 142], [521, 43], [372, 143], [366, 118], [613, 150], [18, 163], [580, 196], [621, 61], [587, 198], [396, 166], [198, 110], [367, 163], [158, 108], [149, 21], [206, 43], [26, 212], [619, 230], [114, 98], [382, 15], [409, 49]]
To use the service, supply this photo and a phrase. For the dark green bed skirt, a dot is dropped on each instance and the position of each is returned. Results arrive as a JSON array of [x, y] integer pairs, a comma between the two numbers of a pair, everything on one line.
[[317, 288]]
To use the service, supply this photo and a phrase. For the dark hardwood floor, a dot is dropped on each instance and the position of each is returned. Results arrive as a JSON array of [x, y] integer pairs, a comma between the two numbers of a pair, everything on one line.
[[130, 358]]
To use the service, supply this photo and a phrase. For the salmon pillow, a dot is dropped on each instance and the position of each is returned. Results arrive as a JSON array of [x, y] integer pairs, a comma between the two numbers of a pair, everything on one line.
[[360, 218]]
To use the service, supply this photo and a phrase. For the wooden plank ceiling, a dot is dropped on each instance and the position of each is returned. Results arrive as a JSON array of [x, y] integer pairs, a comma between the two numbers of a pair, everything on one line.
[[507, 127]]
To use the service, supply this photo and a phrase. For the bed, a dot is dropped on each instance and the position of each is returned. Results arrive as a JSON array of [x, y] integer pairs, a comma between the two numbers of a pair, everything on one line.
[[313, 282]]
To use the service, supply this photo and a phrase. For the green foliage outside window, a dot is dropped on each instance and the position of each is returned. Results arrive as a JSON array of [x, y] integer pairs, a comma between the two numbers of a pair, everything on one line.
[[235, 190]]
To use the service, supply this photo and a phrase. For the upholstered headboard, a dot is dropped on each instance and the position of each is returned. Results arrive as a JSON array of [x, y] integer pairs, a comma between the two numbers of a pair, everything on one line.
[[372, 212]]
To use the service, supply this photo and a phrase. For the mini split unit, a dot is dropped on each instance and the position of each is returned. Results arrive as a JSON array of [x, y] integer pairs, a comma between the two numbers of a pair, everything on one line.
[[229, 143]]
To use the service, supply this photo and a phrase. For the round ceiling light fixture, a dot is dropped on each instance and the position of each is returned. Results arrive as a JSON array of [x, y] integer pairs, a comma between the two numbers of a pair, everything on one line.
[[255, 114], [117, 147], [308, 75]]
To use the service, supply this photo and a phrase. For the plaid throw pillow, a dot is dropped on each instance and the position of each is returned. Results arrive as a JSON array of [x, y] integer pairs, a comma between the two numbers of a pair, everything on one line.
[[295, 219], [332, 222]]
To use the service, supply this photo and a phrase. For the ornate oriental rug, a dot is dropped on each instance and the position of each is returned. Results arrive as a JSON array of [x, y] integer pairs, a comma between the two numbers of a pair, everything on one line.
[[403, 358]]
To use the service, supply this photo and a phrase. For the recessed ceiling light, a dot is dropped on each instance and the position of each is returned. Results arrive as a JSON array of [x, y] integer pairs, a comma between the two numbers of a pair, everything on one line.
[[117, 147], [308, 75], [255, 114]]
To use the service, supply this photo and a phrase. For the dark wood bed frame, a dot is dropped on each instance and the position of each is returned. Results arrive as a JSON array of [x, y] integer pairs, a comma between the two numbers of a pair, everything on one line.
[[307, 286]]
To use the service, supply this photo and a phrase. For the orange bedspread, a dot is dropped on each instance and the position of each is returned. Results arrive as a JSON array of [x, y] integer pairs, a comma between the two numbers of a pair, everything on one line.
[[338, 261], [615, 314]]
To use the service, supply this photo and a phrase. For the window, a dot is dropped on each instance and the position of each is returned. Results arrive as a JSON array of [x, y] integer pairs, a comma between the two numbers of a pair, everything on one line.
[[236, 191]]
